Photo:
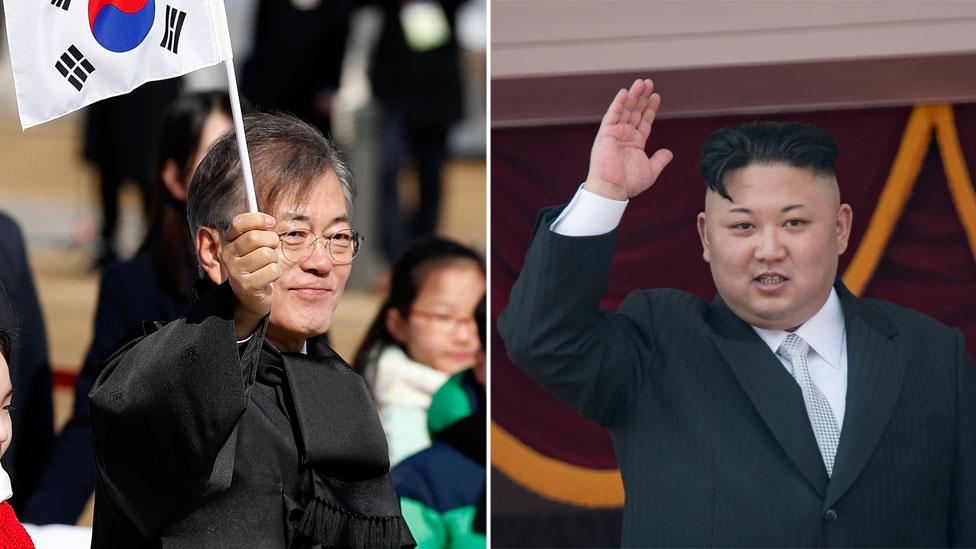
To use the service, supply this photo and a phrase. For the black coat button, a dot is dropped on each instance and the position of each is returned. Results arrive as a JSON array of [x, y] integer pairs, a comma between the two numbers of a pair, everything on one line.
[[830, 515]]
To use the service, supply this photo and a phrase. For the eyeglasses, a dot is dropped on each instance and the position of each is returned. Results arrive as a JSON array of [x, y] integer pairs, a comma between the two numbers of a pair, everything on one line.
[[343, 245], [445, 323]]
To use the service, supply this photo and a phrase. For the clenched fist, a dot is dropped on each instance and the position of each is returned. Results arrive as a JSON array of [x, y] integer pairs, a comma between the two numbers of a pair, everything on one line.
[[249, 253]]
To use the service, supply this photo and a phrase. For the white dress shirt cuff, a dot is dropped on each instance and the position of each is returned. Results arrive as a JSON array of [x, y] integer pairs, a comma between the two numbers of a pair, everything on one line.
[[589, 214]]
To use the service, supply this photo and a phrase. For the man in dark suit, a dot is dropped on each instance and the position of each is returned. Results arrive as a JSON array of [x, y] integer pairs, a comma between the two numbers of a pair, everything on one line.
[[786, 412]]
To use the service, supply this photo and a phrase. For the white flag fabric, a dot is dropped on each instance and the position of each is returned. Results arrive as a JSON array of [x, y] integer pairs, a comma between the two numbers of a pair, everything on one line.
[[70, 53]]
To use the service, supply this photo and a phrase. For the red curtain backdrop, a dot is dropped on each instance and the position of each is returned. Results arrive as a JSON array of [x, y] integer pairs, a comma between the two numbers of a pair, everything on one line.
[[928, 264]]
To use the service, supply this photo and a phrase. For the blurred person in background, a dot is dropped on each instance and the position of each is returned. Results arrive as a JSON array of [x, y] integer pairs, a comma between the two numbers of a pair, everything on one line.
[[120, 137], [424, 333], [297, 57], [12, 533], [442, 488], [154, 285], [416, 77], [28, 356]]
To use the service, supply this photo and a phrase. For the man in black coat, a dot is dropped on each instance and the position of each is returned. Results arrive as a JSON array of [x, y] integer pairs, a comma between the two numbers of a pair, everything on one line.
[[237, 425], [786, 412]]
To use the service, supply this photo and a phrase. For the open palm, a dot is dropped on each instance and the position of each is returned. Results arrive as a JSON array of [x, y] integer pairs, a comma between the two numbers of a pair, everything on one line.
[[619, 167]]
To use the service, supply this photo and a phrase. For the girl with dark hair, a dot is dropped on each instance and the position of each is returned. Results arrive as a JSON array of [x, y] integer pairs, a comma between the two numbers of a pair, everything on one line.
[[12, 533], [193, 122], [154, 285], [424, 333]]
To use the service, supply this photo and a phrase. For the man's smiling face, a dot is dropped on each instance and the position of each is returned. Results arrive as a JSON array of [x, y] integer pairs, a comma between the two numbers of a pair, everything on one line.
[[307, 292], [773, 249]]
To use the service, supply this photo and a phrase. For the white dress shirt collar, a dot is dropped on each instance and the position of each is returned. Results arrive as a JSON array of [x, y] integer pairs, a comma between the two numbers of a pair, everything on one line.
[[824, 332], [304, 349]]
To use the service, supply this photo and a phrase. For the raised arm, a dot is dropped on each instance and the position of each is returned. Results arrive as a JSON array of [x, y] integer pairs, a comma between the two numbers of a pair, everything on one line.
[[553, 327]]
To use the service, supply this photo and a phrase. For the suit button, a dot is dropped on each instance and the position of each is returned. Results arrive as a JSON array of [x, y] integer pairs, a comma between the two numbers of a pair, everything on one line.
[[830, 515]]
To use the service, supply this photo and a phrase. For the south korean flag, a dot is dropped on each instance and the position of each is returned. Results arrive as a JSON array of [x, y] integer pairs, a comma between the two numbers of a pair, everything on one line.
[[67, 54]]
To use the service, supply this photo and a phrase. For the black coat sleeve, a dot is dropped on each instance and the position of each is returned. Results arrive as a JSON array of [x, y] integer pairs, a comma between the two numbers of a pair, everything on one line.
[[554, 329], [162, 409]]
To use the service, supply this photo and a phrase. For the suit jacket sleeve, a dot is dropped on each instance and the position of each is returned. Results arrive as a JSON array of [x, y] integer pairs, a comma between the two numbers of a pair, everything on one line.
[[163, 408], [962, 523], [554, 329]]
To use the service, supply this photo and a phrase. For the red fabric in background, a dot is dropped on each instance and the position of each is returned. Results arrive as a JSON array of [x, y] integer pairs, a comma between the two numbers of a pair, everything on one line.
[[928, 265]]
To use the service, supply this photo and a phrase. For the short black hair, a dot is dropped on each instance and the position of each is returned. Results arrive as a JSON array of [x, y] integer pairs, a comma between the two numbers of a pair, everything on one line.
[[792, 143]]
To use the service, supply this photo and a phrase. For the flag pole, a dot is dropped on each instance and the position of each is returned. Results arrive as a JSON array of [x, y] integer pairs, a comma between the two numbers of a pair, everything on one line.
[[235, 107]]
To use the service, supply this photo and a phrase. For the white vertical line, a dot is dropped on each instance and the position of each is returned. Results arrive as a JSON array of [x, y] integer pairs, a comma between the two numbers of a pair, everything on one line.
[[235, 104]]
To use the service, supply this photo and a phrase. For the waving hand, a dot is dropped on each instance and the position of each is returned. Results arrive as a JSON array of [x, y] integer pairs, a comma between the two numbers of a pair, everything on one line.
[[619, 167]]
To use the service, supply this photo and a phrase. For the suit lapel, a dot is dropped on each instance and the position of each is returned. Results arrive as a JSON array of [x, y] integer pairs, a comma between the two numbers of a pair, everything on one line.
[[772, 390], [875, 370]]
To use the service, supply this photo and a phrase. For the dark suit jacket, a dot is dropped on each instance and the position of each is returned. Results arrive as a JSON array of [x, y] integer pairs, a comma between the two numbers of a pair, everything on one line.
[[710, 431]]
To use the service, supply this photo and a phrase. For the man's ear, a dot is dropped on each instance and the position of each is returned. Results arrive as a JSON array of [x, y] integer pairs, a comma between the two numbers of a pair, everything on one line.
[[396, 324], [208, 241], [703, 235], [170, 174], [845, 218]]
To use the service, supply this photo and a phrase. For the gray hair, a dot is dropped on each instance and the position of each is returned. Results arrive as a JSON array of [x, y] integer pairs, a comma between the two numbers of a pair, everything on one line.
[[287, 155]]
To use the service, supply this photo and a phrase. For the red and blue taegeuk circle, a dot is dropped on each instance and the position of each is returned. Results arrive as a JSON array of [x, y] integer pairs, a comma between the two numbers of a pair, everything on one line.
[[121, 25]]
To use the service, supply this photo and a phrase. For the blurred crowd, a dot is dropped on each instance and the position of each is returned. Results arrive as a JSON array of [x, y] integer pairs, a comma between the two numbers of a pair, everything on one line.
[[422, 357]]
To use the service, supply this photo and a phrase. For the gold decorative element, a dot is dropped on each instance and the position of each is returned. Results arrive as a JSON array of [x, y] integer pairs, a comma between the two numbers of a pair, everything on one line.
[[957, 174], [891, 203], [901, 181], [554, 479]]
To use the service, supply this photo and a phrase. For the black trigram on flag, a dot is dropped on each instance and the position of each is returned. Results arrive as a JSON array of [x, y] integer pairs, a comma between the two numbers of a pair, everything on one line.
[[73, 66], [174, 25], [63, 4]]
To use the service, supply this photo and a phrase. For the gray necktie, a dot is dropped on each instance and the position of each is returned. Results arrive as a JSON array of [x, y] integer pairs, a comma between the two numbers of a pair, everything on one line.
[[821, 416]]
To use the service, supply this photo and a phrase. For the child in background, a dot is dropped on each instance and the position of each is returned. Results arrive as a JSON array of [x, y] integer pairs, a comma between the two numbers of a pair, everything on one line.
[[442, 488], [12, 533], [424, 333]]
